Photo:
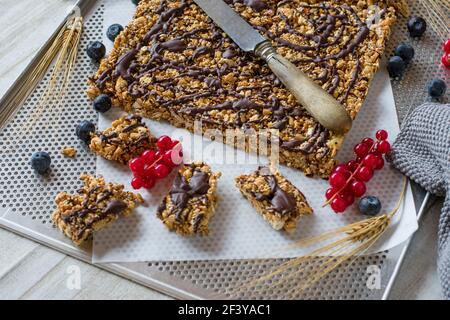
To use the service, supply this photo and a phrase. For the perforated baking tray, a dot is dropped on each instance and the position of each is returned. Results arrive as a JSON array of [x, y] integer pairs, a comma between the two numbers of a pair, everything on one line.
[[26, 199]]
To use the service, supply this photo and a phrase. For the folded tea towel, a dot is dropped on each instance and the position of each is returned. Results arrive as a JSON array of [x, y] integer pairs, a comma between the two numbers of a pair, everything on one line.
[[422, 152]]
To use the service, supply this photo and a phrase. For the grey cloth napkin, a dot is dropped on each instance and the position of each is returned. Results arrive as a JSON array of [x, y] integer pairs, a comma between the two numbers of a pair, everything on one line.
[[422, 152]]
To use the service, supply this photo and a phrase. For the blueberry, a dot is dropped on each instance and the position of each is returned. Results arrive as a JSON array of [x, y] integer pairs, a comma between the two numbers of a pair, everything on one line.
[[437, 88], [416, 26], [96, 50], [396, 66], [84, 130], [102, 103], [113, 31], [369, 205], [40, 161], [405, 51], [136, 2]]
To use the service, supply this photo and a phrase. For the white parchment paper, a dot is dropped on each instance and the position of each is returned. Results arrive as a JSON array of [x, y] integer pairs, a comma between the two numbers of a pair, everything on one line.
[[237, 231]]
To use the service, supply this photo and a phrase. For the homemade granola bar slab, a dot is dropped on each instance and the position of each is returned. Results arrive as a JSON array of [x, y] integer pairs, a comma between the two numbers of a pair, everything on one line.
[[191, 202], [278, 201], [126, 139], [94, 206], [172, 63]]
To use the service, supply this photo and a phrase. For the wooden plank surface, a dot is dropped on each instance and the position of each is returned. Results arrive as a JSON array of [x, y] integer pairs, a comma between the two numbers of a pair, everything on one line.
[[32, 271]]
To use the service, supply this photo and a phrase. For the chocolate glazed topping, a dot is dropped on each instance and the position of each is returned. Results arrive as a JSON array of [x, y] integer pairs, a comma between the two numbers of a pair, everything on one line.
[[183, 190], [328, 31], [114, 207], [281, 201]]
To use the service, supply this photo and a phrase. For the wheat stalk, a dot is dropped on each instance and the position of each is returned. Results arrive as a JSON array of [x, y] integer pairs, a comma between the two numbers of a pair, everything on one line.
[[64, 48], [438, 11], [348, 243]]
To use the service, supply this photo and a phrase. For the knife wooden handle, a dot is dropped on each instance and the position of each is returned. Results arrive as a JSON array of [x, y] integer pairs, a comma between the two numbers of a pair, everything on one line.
[[319, 103]]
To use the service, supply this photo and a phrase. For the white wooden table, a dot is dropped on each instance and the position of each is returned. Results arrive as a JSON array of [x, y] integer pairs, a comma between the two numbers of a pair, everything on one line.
[[32, 271]]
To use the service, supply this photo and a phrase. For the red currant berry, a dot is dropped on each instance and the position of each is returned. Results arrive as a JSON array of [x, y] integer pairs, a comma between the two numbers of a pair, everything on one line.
[[136, 165], [159, 155], [358, 188], [177, 154], [161, 171], [348, 197], [136, 183], [164, 143], [447, 46], [381, 135], [149, 171], [148, 183], [175, 143], [352, 165], [383, 147], [338, 205], [364, 174], [370, 161], [148, 156], [337, 180], [361, 150], [446, 60], [167, 158], [368, 142], [330, 193], [380, 162], [342, 168]]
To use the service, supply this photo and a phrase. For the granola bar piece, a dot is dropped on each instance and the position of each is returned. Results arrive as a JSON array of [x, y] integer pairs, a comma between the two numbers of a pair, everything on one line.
[[94, 206], [69, 152], [274, 197], [126, 139], [173, 63], [191, 202]]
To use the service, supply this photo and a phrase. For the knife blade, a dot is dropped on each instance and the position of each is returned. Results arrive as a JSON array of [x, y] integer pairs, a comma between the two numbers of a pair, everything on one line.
[[243, 34], [319, 103]]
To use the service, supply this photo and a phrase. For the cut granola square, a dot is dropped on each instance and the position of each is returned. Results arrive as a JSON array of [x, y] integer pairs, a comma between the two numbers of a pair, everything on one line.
[[274, 197], [191, 202], [94, 206], [126, 139]]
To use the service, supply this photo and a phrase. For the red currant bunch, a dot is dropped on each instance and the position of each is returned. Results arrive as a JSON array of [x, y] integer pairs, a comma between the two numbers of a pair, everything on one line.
[[446, 56], [153, 165], [347, 181]]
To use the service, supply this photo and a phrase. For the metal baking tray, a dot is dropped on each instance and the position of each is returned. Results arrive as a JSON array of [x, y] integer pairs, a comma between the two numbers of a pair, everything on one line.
[[26, 200]]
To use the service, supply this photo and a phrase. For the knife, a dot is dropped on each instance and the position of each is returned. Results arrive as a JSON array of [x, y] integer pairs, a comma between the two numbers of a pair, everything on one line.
[[319, 103]]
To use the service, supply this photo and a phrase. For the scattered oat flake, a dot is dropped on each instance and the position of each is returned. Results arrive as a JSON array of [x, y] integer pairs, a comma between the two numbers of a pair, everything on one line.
[[69, 152]]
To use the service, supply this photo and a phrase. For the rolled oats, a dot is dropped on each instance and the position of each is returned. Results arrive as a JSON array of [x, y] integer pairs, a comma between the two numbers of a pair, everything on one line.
[[172, 63]]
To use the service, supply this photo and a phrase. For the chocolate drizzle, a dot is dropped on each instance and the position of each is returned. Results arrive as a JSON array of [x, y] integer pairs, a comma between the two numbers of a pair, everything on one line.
[[329, 29], [183, 190], [113, 207], [136, 122], [123, 64], [281, 201], [316, 138]]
